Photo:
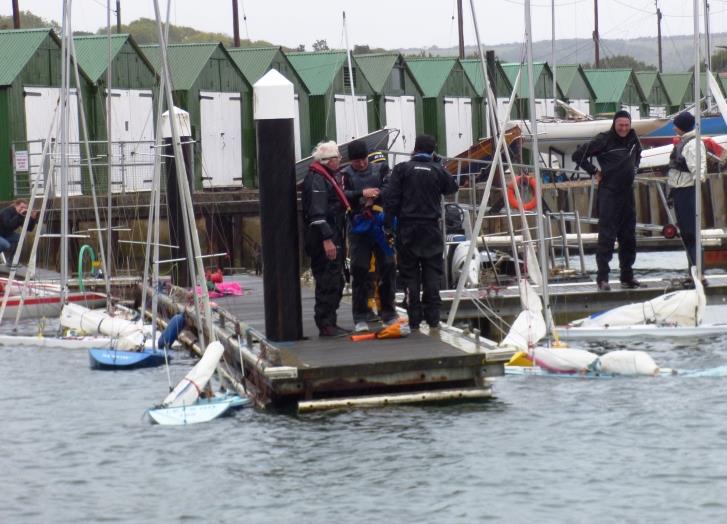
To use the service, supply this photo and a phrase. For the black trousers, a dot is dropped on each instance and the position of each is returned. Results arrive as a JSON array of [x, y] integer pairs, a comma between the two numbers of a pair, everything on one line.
[[361, 247], [616, 221], [419, 249], [685, 209], [328, 275]]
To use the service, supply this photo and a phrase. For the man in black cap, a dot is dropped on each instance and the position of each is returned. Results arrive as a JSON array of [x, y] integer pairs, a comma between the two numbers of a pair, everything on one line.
[[414, 195], [362, 183], [682, 176], [618, 152]]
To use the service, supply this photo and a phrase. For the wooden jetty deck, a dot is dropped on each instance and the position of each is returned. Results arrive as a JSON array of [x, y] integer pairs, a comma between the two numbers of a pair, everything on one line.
[[319, 373]]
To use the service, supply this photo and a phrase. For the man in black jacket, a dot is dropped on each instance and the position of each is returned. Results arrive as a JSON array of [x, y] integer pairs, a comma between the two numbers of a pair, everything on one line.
[[414, 195], [11, 218], [618, 152], [324, 208], [362, 183]]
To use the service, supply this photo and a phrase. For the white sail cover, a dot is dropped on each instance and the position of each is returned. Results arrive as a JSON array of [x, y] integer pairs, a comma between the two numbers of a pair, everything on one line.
[[563, 360], [99, 322], [680, 308], [624, 362], [458, 260], [187, 391], [529, 327]]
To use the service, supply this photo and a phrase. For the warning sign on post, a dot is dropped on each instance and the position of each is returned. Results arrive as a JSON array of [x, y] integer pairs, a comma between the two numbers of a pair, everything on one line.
[[21, 161]]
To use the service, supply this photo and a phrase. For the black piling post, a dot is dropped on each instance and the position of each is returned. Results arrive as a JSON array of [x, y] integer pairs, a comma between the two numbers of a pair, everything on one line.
[[274, 112]]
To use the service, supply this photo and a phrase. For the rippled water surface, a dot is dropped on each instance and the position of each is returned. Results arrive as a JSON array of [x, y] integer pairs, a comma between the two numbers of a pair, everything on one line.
[[75, 448]]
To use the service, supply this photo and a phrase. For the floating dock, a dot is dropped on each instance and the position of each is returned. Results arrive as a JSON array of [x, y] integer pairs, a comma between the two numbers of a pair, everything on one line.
[[326, 373]]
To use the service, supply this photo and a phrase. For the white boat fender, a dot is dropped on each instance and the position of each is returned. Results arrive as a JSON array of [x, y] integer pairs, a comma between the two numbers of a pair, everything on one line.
[[625, 362], [564, 360]]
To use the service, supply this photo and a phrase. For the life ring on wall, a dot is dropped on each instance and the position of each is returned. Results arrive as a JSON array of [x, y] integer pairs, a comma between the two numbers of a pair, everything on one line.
[[523, 181]]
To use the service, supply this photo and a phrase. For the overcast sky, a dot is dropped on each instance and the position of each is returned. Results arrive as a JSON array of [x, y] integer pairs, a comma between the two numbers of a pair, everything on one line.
[[397, 23]]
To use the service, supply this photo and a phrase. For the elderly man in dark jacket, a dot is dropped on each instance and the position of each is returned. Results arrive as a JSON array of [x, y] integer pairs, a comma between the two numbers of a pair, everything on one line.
[[414, 195], [324, 209], [618, 152], [11, 218]]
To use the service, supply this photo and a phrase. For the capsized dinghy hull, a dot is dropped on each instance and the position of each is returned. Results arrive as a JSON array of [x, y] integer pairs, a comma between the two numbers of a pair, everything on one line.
[[203, 410], [113, 359]]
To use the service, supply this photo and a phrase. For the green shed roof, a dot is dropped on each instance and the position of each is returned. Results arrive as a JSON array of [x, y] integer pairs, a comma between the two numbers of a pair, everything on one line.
[[317, 70], [473, 68], [186, 61], [539, 69], [431, 73], [376, 67], [646, 79], [567, 76], [17, 47], [610, 84], [92, 53], [254, 62], [678, 87]]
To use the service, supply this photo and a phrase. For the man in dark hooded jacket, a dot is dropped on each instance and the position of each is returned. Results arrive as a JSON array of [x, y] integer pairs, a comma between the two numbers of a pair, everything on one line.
[[618, 152]]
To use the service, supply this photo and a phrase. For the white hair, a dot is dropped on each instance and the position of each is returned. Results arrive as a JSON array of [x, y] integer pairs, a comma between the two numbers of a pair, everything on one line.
[[325, 151]]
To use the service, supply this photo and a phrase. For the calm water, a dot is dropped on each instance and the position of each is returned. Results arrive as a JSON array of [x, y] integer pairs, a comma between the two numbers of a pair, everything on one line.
[[74, 448]]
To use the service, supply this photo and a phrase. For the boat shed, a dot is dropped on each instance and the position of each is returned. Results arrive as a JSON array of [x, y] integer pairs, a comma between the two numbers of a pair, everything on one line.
[[398, 101], [544, 105], [448, 99], [254, 62], [207, 84], [617, 89], [576, 88], [503, 88], [655, 91], [132, 107], [30, 80], [335, 114], [680, 89]]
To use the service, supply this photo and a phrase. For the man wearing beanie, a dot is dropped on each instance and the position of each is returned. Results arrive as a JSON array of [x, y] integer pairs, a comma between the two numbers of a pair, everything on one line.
[[414, 196], [618, 152], [362, 183], [682, 175]]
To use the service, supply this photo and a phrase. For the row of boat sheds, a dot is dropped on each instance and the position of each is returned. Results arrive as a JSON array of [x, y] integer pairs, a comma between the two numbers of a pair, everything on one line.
[[442, 96]]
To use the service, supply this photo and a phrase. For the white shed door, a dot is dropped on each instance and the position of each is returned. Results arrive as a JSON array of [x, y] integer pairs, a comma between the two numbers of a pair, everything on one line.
[[348, 126], [657, 111], [634, 110], [296, 129], [458, 125], [221, 132], [132, 136], [583, 106], [40, 108], [401, 115], [502, 115], [544, 107]]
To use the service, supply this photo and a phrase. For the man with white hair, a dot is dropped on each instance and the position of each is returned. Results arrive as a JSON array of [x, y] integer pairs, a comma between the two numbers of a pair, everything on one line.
[[324, 215]]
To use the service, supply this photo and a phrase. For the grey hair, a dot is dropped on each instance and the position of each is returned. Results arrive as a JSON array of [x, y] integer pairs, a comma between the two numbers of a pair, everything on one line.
[[325, 151]]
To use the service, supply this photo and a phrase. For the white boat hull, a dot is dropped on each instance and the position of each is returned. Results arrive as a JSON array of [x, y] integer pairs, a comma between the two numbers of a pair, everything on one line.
[[203, 410], [639, 330]]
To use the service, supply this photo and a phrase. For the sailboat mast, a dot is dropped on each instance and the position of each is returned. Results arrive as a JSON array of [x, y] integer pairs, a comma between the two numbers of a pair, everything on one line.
[[658, 33], [109, 150], [65, 113], [552, 54], [698, 140], [536, 168], [708, 50], [350, 75]]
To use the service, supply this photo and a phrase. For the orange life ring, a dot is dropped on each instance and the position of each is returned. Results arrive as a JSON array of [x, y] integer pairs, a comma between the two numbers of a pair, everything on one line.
[[521, 181]]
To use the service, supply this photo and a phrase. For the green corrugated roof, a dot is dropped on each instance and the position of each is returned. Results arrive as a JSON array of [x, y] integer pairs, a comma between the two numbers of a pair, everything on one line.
[[92, 53], [609, 84], [376, 67], [17, 47], [677, 87], [646, 79], [431, 73], [317, 70], [254, 62], [473, 69], [186, 61], [511, 70]]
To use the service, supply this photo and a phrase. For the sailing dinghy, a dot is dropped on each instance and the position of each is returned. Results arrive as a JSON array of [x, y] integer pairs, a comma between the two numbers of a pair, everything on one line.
[[186, 405]]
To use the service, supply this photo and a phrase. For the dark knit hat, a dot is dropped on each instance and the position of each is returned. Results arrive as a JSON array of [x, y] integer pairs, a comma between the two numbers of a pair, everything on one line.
[[621, 114], [684, 121], [358, 150], [425, 144]]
